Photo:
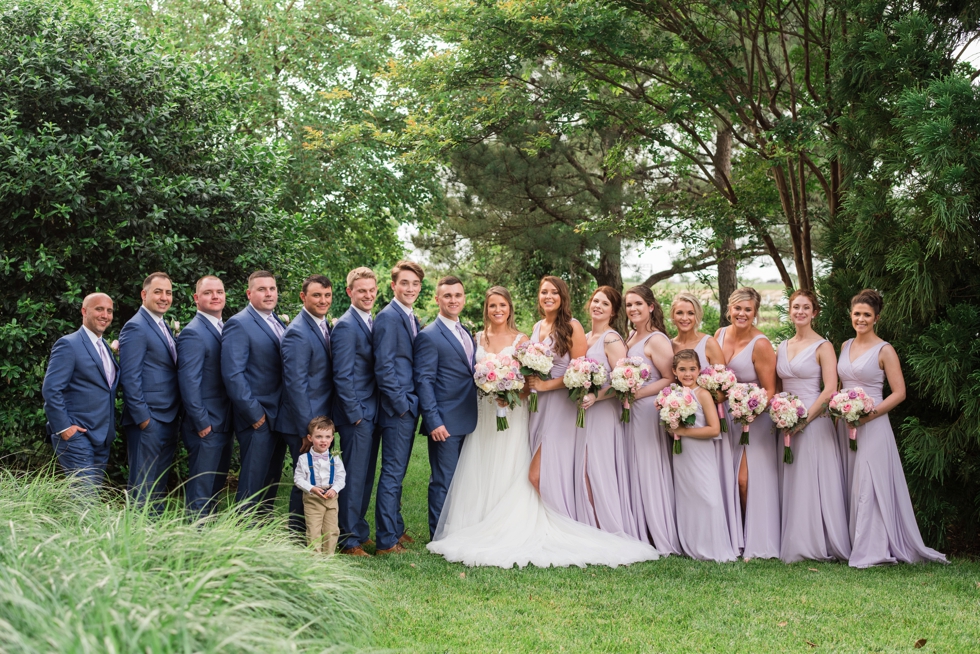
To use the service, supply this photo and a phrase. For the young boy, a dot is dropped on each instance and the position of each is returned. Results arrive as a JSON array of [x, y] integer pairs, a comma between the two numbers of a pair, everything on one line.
[[321, 476]]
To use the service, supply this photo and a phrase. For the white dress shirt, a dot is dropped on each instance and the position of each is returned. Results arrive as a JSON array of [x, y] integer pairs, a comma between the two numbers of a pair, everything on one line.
[[366, 317], [321, 472], [452, 324], [211, 319]]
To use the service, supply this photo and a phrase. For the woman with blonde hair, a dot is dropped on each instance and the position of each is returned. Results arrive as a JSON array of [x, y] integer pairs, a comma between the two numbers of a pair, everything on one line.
[[749, 353]]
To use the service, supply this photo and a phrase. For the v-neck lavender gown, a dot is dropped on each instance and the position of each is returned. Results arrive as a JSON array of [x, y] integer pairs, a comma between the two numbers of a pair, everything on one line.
[[702, 516], [602, 460], [882, 522], [553, 431], [727, 472], [651, 480], [761, 525], [814, 518]]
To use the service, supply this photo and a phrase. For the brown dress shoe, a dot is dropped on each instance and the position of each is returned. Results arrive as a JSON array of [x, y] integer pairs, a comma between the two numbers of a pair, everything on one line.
[[405, 538], [367, 543], [397, 549], [354, 551]]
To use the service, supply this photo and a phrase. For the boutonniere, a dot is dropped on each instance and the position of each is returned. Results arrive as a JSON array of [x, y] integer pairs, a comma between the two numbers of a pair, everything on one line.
[[284, 318], [114, 346], [175, 327]]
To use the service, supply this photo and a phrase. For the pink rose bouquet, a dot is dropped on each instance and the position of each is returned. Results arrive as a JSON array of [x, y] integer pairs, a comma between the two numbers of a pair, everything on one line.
[[583, 376], [678, 408], [499, 375], [746, 402], [850, 405], [536, 359], [627, 378], [718, 380], [787, 411]]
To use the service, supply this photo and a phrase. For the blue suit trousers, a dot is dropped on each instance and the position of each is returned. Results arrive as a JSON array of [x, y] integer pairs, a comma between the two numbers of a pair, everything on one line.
[[397, 438], [151, 453], [80, 457], [208, 460], [359, 450], [263, 452], [443, 457]]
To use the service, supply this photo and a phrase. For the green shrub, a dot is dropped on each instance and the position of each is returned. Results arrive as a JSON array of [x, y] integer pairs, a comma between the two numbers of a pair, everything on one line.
[[84, 576]]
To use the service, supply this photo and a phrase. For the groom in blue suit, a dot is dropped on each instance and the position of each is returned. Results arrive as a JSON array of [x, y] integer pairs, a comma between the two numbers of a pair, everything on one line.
[[206, 428], [151, 393], [79, 393], [395, 330], [251, 367], [444, 360], [307, 373], [356, 407]]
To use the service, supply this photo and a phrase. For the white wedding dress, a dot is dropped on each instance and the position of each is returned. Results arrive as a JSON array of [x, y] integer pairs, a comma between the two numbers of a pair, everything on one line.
[[494, 517]]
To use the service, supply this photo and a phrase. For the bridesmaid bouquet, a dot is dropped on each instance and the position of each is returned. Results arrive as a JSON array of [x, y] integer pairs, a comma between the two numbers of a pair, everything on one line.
[[536, 359], [678, 408], [850, 405], [499, 375], [627, 378], [717, 380], [746, 402], [582, 376], [786, 412]]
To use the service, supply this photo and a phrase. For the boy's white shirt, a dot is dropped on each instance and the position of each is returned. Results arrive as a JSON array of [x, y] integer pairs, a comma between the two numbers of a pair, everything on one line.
[[321, 470]]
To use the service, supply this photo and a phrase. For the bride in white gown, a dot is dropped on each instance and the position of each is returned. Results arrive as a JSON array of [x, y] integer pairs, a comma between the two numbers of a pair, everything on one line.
[[492, 515]]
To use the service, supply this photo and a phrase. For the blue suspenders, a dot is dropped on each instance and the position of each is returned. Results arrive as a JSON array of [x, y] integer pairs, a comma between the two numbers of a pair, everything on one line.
[[309, 460]]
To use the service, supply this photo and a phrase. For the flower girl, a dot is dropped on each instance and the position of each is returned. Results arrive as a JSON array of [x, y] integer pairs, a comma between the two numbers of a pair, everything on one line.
[[702, 521]]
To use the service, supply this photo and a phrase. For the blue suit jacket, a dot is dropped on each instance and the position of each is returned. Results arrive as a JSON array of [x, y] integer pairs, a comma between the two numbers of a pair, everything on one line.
[[393, 359], [307, 374], [444, 381], [199, 373], [251, 367], [147, 371], [355, 391], [76, 391]]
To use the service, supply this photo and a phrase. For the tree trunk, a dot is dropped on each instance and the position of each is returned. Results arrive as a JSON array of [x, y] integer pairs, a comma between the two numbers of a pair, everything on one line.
[[727, 272], [610, 273]]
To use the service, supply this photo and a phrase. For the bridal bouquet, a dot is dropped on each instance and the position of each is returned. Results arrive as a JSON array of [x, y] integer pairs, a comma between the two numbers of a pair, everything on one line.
[[850, 405], [627, 378], [536, 359], [746, 402], [787, 411], [717, 380], [499, 375], [583, 376], [678, 408]]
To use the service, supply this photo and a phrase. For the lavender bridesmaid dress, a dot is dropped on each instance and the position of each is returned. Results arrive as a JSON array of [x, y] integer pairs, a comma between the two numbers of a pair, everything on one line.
[[602, 460], [761, 526], [702, 515], [727, 472], [651, 481], [882, 523], [814, 513], [553, 431]]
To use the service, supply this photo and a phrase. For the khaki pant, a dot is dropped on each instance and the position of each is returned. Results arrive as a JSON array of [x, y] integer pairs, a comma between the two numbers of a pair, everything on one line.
[[321, 522]]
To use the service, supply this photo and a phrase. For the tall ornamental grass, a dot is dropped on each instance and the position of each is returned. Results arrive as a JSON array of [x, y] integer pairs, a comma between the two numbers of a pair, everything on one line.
[[91, 576]]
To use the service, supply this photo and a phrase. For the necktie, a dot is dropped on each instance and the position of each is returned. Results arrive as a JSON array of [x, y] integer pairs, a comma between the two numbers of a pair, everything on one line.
[[370, 323], [467, 342], [276, 327], [110, 370], [221, 326], [326, 332], [415, 329], [170, 341]]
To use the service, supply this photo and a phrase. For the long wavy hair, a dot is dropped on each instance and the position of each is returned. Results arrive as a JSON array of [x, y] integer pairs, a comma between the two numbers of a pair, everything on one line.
[[561, 332], [504, 293], [656, 321]]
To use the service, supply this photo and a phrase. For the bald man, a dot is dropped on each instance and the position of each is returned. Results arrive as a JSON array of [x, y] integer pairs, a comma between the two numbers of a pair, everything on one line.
[[80, 395]]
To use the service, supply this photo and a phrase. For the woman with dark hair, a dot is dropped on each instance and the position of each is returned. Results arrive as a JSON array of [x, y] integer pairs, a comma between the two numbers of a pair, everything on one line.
[[651, 479], [882, 522], [814, 513], [553, 431], [493, 516], [603, 501]]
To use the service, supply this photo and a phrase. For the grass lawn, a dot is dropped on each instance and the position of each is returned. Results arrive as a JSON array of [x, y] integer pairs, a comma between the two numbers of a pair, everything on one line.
[[425, 604]]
